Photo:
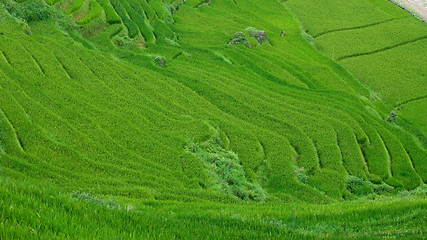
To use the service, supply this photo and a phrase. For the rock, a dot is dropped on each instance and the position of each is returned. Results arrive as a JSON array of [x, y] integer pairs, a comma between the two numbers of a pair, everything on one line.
[[259, 35]]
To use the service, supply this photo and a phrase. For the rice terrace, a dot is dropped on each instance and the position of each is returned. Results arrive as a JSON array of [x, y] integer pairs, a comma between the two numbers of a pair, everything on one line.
[[213, 119]]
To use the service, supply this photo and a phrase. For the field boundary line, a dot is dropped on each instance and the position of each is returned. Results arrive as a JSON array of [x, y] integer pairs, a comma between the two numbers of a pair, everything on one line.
[[18, 139], [411, 100], [382, 49], [358, 27], [390, 159], [5, 58], [412, 163], [40, 68], [64, 68]]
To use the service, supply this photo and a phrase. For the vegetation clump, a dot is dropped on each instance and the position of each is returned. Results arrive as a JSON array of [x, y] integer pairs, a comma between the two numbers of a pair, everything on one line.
[[259, 35], [161, 61], [360, 187], [308, 37], [420, 191], [392, 117], [301, 174], [124, 41], [30, 11], [240, 38], [88, 197], [225, 170], [37, 10]]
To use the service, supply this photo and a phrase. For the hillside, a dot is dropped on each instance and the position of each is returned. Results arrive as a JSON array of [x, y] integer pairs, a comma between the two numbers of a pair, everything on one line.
[[383, 51], [249, 113]]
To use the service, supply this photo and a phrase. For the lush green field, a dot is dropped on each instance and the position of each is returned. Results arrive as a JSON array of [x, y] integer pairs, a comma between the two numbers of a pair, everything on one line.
[[40, 212], [210, 119], [385, 50]]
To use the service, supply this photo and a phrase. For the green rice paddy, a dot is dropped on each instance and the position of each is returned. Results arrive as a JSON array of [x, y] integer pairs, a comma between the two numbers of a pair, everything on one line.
[[219, 119]]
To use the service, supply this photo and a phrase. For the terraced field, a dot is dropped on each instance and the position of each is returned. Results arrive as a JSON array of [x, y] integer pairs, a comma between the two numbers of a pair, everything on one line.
[[383, 53], [137, 119]]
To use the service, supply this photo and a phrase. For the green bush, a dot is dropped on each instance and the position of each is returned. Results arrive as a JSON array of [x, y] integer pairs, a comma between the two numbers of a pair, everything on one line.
[[383, 188], [225, 170], [33, 11], [301, 174], [392, 117], [240, 38], [161, 61], [359, 186], [30, 11], [362, 187], [420, 191]]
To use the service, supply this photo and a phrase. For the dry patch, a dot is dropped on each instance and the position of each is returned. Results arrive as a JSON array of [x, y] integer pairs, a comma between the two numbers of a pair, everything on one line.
[[418, 6]]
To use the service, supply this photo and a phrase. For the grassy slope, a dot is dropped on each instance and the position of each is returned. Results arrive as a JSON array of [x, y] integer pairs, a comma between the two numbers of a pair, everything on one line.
[[385, 50], [117, 125], [35, 212]]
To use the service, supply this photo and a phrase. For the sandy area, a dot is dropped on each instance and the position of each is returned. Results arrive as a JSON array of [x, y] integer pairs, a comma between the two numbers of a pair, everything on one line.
[[419, 6]]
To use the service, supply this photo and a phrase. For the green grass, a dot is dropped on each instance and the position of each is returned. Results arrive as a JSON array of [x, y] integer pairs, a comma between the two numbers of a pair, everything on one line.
[[411, 112], [112, 16], [391, 74], [274, 141], [369, 39], [75, 6], [331, 15], [384, 52], [94, 12], [33, 211]]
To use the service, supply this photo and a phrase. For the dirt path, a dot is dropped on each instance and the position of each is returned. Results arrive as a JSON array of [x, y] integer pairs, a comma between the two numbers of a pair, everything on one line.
[[419, 7]]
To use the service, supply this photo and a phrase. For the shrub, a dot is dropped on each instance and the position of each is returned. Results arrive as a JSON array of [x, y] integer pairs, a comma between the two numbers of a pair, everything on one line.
[[30, 11], [392, 117], [240, 38], [362, 187], [88, 197], [359, 186], [420, 191], [37, 10], [301, 174], [224, 169], [123, 40], [383, 188], [161, 61]]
